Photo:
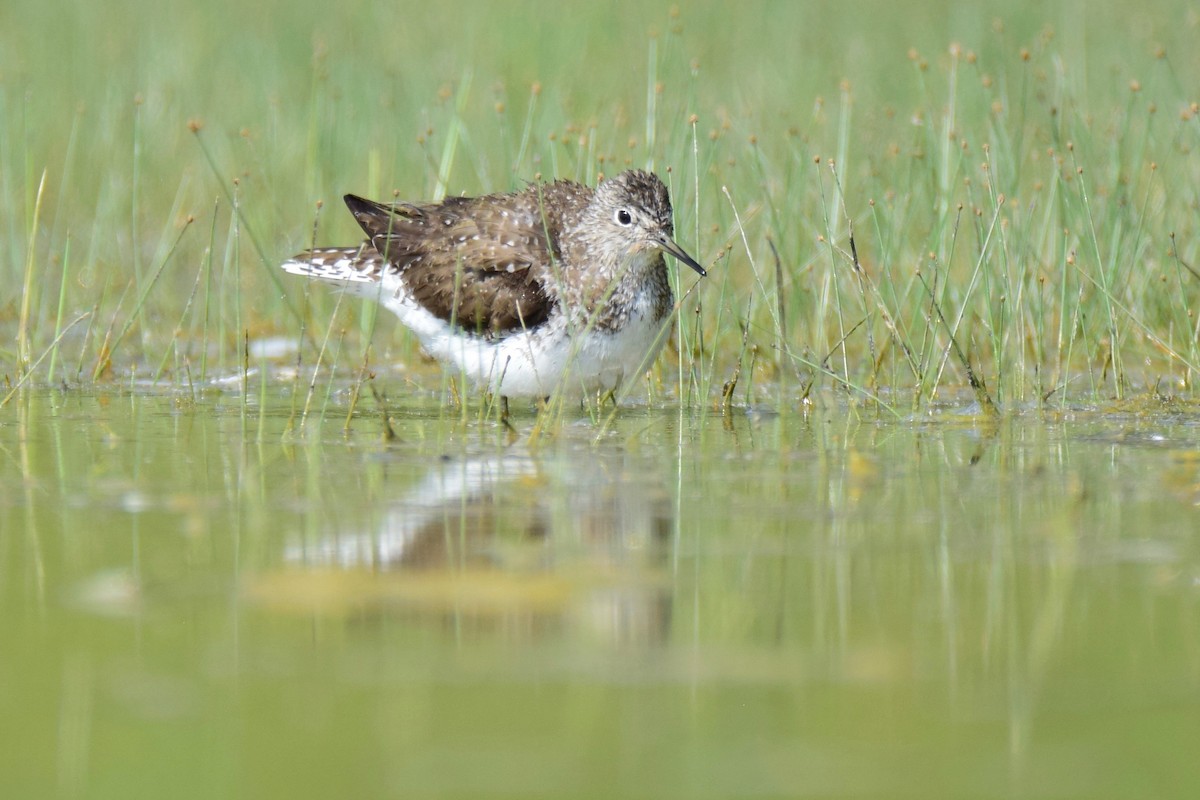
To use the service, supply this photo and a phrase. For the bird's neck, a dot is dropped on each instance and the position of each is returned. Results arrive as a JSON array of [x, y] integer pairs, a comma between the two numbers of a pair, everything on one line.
[[605, 294]]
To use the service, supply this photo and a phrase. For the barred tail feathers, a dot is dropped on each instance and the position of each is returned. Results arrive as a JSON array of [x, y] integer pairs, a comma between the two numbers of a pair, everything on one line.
[[337, 264]]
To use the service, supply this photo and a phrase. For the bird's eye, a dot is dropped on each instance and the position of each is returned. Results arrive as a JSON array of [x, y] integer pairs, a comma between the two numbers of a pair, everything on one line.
[[623, 217]]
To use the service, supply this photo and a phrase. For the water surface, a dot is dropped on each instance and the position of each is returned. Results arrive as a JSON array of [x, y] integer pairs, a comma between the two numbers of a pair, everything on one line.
[[202, 598]]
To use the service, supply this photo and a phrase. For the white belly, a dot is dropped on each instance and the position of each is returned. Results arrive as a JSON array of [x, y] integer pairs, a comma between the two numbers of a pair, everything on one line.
[[543, 361]]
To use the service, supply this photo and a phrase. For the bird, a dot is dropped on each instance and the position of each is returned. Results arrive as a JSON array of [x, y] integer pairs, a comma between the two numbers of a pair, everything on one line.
[[558, 287]]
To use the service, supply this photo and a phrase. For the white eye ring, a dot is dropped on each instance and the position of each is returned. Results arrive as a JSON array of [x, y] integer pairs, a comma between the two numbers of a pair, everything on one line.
[[623, 217]]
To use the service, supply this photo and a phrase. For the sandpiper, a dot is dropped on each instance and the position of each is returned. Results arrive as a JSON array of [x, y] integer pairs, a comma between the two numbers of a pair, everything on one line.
[[556, 288]]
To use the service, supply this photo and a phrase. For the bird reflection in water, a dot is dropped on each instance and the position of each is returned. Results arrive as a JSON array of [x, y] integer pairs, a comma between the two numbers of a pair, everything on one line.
[[510, 542]]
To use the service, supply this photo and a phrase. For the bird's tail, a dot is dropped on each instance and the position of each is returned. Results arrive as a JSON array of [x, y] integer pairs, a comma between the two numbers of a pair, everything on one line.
[[338, 264]]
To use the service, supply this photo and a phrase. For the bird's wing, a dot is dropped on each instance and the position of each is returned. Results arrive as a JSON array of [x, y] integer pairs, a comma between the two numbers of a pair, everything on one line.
[[480, 263]]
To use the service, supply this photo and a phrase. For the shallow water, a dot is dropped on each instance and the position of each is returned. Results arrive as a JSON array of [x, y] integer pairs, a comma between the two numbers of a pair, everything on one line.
[[202, 599]]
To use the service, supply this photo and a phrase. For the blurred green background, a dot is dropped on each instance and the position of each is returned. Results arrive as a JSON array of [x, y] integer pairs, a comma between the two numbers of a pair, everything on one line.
[[929, 111]]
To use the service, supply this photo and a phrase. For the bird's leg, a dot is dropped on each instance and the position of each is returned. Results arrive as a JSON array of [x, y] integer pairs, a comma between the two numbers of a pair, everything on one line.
[[504, 414]]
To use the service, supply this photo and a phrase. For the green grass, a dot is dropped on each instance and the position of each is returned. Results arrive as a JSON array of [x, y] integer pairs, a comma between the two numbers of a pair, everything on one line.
[[1021, 185]]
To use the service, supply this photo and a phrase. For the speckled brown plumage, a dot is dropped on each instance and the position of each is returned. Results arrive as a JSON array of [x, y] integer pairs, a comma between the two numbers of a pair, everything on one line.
[[477, 262]]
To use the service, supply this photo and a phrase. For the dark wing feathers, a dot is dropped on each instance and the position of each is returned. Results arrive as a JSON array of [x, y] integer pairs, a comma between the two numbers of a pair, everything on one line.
[[471, 261]]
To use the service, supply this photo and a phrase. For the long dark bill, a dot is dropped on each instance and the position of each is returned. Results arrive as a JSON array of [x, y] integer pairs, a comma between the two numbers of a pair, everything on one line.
[[668, 244]]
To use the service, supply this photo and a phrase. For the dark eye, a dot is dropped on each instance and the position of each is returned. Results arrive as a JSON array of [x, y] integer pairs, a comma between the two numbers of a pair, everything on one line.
[[623, 217]]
